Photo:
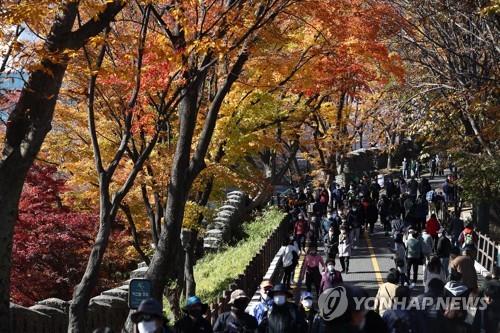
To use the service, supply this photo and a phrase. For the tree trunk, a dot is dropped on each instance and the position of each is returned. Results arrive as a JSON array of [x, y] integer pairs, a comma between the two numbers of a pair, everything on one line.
[[27, 126], [190, 238], [83, 291], [169, 249], [30, 122]]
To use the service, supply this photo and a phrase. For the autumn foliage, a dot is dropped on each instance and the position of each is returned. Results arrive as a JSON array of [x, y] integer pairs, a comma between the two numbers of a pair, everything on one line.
[[52, 241]]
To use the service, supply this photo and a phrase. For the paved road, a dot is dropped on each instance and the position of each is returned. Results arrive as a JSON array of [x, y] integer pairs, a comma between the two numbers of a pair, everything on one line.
[[369, 264]]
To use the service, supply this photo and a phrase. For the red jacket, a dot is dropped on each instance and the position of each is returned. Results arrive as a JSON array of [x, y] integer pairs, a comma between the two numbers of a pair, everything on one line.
[[432, 227], [301, 227]]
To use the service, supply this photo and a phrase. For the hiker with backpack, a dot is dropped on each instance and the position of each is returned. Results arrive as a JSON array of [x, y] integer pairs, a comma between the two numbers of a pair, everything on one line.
[[468, 238], [331, 277]]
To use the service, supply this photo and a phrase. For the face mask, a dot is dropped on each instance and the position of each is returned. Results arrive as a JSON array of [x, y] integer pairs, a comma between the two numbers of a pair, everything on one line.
[[354, 209], [279, 300], [147, 326], [330, 268], [240, 304], [307, 303], [196, 313]]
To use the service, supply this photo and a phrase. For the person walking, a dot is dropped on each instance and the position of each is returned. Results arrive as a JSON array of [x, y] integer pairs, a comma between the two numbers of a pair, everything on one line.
[[427, 245], [413, 188], [468, 238], [433, 167], [261, 310], [371, 215], [386, 292], [383, 207], [331, 243], [464, 265], [455, 228], [289, 260], [405, 167], [236, 320], [344, 249], [314, 265], [307, 310], [432, 227], [456, 315], [193, 320], [331, 277], [284, 316], [355, 221], [300, 230], [433, 270], [149, 318], [400, 259], [414, 255], [443, 250]]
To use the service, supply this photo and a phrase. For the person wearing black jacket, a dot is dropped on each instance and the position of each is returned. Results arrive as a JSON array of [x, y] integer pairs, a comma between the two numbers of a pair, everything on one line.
[[236, 320], [193, 320], [284, 316], [443, 250], [331, 242]]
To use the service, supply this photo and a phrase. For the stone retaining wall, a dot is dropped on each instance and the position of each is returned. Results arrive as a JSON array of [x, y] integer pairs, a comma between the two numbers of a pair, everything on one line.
[[110, 308]]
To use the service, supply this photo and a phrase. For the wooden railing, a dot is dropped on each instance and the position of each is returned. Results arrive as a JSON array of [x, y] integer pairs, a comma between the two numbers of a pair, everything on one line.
[[252, 275], [487, 252]]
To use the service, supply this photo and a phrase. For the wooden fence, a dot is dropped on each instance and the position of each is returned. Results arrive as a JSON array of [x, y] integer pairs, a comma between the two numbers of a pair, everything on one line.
[[255, 270], [487, 253]]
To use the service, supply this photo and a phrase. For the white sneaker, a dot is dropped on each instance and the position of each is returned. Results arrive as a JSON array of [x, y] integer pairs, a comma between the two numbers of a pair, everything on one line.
[[412, 285]]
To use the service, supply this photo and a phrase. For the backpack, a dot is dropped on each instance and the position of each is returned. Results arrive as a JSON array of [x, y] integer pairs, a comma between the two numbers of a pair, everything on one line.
[[430, 196]]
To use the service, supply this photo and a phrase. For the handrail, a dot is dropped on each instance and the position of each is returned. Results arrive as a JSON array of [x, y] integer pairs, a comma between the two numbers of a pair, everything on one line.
[[487, 252]]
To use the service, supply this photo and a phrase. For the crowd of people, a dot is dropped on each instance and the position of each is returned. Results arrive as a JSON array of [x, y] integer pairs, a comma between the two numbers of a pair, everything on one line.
[[333, 220]]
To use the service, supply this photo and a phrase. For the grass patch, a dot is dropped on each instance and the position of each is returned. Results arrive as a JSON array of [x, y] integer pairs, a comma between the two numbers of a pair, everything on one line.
[[215, 272]]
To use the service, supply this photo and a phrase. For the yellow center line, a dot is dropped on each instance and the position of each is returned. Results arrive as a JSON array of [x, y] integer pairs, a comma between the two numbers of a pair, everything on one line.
[[373, 257]]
